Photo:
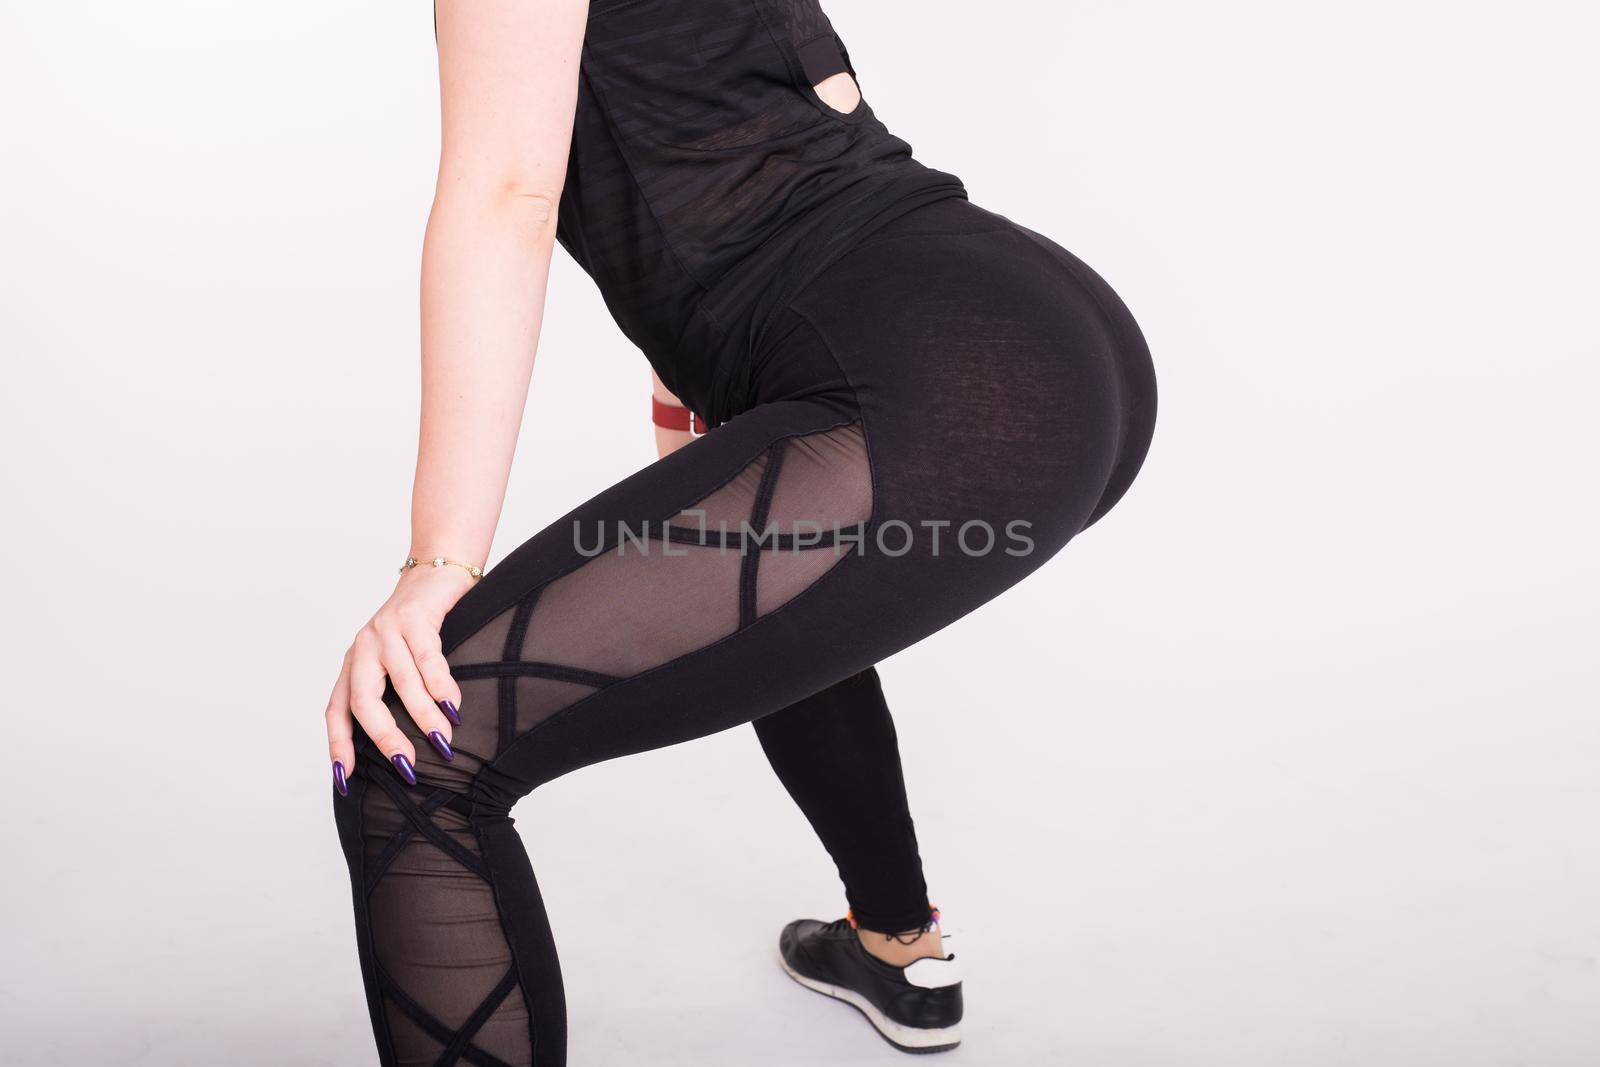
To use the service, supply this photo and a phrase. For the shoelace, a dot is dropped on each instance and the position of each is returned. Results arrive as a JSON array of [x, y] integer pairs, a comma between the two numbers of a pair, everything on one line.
[[904, 939]]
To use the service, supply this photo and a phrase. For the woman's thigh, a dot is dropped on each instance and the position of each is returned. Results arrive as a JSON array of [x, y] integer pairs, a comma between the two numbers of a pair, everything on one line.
[[937, 417]]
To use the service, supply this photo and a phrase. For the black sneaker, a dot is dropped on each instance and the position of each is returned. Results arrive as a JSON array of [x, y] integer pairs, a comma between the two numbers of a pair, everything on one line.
[[916, 1008]]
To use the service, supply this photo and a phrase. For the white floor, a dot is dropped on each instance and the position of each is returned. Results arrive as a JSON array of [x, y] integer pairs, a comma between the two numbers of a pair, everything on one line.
[[1167, 881]]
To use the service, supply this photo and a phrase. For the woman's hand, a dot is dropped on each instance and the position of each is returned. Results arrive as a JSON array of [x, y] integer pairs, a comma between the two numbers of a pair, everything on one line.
[[400, 642]]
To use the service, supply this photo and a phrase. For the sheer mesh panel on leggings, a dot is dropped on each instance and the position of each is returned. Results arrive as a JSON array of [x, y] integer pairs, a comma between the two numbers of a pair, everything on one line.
[[656, 593]]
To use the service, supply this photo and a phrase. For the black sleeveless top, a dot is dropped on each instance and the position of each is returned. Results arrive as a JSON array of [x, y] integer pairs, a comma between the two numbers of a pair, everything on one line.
[[708, 183]]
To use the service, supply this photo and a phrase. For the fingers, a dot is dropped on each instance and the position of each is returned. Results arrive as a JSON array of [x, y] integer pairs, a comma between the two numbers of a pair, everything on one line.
[[428, 654], [407, 682], [399, 647], [341, 731], [366, 702]]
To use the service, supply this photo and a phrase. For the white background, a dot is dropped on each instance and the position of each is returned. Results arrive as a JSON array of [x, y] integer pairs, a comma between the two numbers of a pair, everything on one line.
[[1291, 762]]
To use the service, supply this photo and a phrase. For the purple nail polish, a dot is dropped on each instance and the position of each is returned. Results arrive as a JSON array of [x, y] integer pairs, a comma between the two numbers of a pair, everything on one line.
[[403, 765], [339, 782], [440, 745], [450, 712]]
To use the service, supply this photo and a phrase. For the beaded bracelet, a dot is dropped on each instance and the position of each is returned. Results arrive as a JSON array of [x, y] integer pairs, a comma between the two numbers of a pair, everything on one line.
[[412, 561]]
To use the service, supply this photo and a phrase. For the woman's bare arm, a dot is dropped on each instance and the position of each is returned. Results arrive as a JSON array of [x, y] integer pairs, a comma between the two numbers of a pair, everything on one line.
[[508, 73]]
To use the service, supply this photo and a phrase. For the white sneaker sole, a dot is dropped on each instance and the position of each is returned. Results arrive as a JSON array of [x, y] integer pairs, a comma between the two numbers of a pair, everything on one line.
[[904, 1038]]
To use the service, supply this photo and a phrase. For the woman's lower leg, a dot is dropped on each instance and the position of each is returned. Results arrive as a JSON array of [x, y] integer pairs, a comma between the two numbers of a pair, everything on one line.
[[837, 753]]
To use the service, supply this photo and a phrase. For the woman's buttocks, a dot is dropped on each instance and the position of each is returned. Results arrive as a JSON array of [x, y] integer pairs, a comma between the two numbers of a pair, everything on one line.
[[990, 360], [964, 309]]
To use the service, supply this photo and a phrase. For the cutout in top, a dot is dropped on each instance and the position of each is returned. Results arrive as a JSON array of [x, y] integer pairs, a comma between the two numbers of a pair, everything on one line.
[[839, 91]]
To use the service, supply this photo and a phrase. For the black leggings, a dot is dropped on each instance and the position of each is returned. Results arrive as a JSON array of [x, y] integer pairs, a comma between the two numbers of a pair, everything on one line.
[[931, 419]]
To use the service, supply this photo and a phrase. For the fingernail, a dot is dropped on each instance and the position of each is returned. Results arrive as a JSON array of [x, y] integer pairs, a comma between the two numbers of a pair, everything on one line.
[[440, 745], [339, 782], [403, 765], [450, 712]]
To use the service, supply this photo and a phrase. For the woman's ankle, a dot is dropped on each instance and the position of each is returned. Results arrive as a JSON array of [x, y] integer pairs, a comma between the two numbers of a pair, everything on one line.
[[903, 949]]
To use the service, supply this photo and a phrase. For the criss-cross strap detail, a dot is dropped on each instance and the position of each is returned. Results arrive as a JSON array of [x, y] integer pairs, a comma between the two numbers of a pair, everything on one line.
[[457, 1043], [398, 839], [458, 1046], [425, 825]]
